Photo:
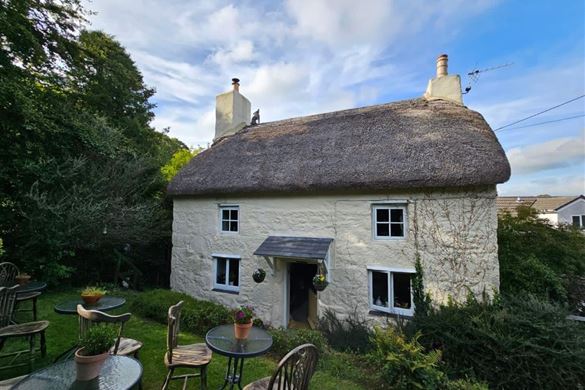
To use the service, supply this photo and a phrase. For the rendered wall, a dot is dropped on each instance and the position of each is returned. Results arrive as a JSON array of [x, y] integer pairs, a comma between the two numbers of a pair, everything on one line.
[[566, 213], [453, 232]]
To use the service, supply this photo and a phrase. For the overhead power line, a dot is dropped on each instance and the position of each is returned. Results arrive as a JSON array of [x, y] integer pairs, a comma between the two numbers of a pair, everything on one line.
[[539, 113], [545, 122]]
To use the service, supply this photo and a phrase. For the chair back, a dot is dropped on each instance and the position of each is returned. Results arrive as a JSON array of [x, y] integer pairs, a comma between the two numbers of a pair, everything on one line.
[[295, 369], [174, 318], [8, 272], [87, 318], [7, 302]]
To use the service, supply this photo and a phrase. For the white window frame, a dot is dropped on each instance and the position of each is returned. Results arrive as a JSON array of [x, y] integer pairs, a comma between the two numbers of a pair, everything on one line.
[[229, 207], [581, 219], [226, 287], [389, 206], [391, 309]]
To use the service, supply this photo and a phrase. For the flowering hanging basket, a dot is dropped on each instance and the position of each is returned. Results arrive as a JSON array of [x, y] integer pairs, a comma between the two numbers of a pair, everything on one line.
[[259, 275], [320, 282]]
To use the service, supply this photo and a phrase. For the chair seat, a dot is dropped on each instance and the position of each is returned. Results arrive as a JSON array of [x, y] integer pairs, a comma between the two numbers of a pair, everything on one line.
[[260, 384], [24, 329], [127, 346], [192, 355], [27, 296]]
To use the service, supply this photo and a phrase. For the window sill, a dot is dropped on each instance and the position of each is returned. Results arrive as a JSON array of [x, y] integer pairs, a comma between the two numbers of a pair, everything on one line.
[[379, 313], [221, 290]]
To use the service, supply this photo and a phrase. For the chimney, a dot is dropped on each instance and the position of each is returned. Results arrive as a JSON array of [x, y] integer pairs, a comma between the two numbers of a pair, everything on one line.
[[232, 111], [444, 86]]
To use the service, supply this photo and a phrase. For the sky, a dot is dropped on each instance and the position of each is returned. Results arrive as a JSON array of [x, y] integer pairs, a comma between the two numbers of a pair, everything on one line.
[[300, 57]]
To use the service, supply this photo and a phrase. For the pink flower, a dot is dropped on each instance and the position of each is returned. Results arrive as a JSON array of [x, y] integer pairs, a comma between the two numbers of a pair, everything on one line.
[[240, 315]]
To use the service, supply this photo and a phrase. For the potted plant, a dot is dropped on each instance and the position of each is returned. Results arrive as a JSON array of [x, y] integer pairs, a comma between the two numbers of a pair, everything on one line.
[[243, 321], [259, 275], [93, 351], [22, 278], [91, 295], [320, 282]]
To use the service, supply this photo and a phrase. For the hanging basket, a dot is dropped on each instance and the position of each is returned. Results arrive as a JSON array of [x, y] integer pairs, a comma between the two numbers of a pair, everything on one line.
[[259, 275], [320, 282]]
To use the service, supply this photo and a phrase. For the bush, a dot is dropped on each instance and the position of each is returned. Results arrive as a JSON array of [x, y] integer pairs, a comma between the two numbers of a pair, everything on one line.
[[197, 316], [509, 343], [98, 339], [351, 334], [283, 340]]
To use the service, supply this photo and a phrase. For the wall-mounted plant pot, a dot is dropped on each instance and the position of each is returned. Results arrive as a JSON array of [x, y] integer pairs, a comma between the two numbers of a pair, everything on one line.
[[320, 286], [259, 275]]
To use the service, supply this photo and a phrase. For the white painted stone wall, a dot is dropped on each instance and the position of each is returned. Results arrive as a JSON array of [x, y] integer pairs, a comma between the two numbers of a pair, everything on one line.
[[453, 232]]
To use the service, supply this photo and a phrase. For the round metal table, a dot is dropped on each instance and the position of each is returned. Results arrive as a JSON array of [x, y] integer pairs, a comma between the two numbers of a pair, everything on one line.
[[106, 303], [221, 340], [118, 372], [30, 287]]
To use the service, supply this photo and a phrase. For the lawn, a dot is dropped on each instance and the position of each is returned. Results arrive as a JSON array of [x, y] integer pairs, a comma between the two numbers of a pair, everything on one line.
[[334, 371]]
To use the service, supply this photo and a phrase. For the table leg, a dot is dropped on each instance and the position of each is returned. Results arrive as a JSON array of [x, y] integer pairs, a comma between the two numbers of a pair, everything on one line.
[[233, 374]]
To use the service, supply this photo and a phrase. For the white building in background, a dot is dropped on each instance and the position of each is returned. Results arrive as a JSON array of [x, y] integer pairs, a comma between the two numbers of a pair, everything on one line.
[[357, 195], [558, 210]]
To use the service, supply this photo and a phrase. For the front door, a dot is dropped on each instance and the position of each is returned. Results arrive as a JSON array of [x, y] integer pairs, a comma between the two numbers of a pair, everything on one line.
[[302, 296]]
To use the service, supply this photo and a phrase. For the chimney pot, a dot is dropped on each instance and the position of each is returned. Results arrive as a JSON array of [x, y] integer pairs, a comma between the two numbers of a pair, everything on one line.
[[442, 61], [236, 84]]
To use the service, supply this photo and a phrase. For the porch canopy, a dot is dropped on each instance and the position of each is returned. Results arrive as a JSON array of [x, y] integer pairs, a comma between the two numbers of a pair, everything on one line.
[[294, 247]]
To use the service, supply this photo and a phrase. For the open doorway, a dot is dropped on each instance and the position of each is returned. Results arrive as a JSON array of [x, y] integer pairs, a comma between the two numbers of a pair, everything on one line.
[[302, 296]]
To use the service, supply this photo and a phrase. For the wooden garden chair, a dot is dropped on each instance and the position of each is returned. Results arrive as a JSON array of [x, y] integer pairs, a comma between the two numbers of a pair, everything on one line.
[[294, 371], [195, 356], [28, 330], [8, 272], [124, 346]]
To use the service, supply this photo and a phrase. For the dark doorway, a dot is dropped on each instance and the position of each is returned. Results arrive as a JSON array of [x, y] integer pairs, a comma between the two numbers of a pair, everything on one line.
[[302, 296]]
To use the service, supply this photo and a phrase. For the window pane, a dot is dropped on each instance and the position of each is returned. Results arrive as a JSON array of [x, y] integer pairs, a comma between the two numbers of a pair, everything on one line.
[[225, 226], [220, 271], [233, 226], [382, 230], [234, 272], [225, 214], [234, 215], [397, 230], [380, 289], [397, 215], [583, 221], [576, 221], [382, 215], [401, 289]]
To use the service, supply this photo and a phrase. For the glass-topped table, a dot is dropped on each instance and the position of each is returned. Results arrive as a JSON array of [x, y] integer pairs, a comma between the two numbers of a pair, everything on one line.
[[105, 304], [222, 340], [30, 287], [118, 372]]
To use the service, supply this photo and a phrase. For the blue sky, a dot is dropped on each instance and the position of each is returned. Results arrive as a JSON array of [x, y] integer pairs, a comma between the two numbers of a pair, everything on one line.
[[299, 57]]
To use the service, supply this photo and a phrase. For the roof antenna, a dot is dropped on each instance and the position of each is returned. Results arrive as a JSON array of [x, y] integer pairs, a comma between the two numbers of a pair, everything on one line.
[[473, 76]]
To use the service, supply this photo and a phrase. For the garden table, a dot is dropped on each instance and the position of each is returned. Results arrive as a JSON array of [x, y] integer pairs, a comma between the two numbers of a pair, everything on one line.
[[118, 372], [222, 340], [105, 304], [31, 287]]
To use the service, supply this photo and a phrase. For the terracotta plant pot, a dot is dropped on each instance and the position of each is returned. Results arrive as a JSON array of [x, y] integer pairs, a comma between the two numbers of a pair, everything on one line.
[[242, 331], [91, 299], [22, 279], [88, 367]]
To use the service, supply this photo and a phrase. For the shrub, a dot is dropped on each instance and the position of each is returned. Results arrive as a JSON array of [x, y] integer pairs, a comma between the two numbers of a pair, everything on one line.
[[197, 316], [283, 340], [405, 364], [351, 334], [509, 343]]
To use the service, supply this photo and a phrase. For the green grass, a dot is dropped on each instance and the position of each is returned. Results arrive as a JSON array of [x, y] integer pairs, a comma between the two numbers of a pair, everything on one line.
[[334, 371]]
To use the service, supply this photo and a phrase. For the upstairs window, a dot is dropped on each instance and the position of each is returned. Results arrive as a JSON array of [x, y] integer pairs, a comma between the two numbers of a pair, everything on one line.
[[389, 221], [229, 219], [227, 274], [391, 291], [579, 221]]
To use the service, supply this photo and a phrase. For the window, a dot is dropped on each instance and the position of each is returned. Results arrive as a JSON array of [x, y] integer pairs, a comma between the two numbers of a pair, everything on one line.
[[229, 219], [227, 274], [389, 221], [579, 221], [391, 291]]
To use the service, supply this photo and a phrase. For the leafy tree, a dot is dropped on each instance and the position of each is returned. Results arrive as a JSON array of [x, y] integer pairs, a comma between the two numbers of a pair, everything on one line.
[[178, 161]]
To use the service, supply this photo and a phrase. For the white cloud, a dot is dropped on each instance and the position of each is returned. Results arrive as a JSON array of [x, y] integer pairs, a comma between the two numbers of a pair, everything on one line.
[[552, 185]]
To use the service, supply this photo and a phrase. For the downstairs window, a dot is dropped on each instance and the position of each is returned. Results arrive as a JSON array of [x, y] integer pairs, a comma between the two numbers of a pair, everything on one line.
[[391, 291]]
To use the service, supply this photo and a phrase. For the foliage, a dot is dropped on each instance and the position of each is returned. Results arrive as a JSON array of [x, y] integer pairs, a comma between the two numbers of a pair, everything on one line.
[[403, 363], [422, 300], [538, 259], [1, 248], [196, 315], [243, 315], [352, 334], [98, 339], [91, 291], [512, 342], [284, 340], [178, 161]]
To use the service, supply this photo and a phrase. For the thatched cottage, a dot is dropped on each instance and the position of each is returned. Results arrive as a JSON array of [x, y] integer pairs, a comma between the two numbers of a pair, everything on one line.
[[356, 195]]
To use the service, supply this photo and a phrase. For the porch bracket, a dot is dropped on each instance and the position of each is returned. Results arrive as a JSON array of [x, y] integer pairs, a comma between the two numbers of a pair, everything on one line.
[[271, 264]]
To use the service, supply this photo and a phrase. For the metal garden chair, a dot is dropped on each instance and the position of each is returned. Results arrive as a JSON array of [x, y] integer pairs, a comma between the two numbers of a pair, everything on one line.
[[8, 272], [28, 330], [294, 371], [195, 356]]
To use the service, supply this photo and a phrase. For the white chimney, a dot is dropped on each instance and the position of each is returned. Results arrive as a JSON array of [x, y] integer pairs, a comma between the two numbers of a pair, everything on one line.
[[444, 86], [232, 111]]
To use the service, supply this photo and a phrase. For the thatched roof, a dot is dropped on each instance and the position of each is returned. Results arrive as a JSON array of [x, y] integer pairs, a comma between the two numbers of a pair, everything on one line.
[[407, 144]]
